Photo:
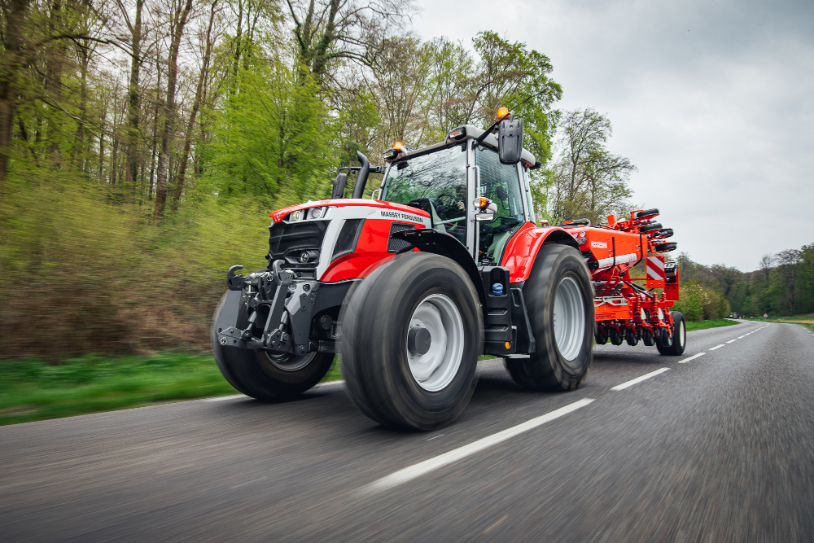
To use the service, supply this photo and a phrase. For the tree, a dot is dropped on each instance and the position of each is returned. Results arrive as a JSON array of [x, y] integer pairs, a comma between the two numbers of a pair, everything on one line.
[[328, 31], [178, 20], [588, 181]]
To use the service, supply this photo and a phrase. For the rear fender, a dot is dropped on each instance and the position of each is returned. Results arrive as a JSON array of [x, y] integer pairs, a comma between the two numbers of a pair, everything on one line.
[[522, 249]]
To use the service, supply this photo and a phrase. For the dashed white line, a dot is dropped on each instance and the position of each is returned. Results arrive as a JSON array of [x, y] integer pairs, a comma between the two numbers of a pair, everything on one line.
[[640, 379], [693, 357], [743, 336], [732, 341], [716, 347], [417, 470]]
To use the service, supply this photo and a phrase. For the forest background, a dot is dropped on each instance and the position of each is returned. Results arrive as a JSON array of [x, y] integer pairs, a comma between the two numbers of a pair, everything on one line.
[[143, 144]]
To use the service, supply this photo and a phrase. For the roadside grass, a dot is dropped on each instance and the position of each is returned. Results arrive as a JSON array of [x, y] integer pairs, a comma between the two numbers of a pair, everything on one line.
[[32, 390], [712, 323], [806, 321]]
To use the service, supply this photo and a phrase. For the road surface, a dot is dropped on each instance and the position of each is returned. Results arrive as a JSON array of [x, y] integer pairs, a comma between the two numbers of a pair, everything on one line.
[[716, 445]]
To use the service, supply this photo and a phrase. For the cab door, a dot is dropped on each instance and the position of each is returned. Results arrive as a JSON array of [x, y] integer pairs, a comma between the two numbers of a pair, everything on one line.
[[501, 183]]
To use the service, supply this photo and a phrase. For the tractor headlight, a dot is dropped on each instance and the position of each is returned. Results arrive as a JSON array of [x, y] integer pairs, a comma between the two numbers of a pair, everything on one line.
[[317, 213]]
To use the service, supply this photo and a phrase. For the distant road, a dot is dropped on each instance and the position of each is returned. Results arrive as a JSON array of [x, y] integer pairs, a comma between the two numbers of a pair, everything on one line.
[[718, 448]]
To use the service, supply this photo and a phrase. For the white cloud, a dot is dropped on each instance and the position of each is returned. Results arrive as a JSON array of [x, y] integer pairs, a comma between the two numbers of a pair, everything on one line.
[[712, 101]]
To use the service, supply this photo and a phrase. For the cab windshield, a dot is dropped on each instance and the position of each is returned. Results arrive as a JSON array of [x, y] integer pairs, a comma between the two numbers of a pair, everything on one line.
[[436, 183]]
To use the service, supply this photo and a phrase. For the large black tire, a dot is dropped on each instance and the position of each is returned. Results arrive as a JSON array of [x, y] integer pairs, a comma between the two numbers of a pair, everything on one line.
[[257, 374], [676, 345], [558, 269], [376, 322]]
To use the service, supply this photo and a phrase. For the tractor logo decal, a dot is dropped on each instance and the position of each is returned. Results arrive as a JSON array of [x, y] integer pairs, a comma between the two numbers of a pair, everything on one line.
[[599, 245]]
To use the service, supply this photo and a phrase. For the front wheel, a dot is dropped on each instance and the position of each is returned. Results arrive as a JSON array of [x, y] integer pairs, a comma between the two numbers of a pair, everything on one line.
[[266, 377], [411, 334], [561, 311], [674, 346]]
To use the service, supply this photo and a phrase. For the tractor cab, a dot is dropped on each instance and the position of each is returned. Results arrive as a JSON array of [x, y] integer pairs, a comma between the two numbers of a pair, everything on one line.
[[468, 184]]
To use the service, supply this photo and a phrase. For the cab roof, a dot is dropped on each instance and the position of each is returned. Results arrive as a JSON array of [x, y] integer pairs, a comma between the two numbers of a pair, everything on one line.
[[469, 132]]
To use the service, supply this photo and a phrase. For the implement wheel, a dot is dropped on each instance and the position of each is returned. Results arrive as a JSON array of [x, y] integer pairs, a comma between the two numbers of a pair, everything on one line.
[[561, 310], [674, 346], [265, 377], [411, 334]]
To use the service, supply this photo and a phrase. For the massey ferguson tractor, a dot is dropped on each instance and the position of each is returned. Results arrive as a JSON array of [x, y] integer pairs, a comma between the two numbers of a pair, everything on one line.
[[444, 264]]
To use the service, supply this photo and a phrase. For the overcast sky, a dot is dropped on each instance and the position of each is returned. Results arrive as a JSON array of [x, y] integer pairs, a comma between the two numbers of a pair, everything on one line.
[[712, 101]]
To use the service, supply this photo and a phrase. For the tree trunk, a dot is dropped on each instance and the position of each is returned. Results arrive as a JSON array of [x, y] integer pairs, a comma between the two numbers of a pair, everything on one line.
[[169, 112], [9, 67], [133, 104], [182, 168]]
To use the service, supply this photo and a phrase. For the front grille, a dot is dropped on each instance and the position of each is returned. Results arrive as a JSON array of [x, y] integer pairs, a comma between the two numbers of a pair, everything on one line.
[[290, 241], [348, 236], [395, 245]]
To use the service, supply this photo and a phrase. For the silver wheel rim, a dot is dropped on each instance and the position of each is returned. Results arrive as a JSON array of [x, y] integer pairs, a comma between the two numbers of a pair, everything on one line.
[[569, 318], [682, 333], [436, 368], [287, 362]]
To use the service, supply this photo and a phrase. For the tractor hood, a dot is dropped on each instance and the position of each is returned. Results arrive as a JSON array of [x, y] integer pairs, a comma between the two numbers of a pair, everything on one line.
[[280, 214]]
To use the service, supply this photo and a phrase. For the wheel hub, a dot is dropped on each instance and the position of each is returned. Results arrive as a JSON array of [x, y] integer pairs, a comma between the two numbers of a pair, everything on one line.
[[435, 342], [569, 318], [419, 340]]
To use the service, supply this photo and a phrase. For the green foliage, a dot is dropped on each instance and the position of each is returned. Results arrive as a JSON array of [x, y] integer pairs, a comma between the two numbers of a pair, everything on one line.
[[701, 303], [274, 141]]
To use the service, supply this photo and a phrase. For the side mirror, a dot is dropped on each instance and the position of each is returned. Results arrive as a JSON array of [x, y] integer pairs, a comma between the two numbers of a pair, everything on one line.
[[339, 186], [510, 140]]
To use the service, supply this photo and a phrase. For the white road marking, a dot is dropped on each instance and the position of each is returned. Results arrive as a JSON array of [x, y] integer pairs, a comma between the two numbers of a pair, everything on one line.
[[743, 336], [417, 470], [640, 379], [222, 398], [693, 357], [716, 347], [320, 386], [732, 341]]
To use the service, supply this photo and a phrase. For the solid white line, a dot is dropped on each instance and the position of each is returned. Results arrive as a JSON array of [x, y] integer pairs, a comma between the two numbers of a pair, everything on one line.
[[221, 398], [422, 468], [732, 341], [693, 357], [640, 379], [716, 347], [743, 336], [320, 386]]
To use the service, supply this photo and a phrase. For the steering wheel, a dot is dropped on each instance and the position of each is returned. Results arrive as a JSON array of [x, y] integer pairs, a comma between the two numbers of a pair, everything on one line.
[[447, 200]]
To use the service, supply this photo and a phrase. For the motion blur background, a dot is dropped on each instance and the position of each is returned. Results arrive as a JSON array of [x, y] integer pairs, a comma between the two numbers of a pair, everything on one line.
[[143, 143]]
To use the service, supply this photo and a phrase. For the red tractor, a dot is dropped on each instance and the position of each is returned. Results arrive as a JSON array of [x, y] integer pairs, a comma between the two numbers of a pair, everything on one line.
[[444, 264]]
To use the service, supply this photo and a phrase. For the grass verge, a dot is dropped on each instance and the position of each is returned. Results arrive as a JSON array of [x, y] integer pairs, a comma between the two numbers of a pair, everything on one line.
[[32, 390], [713, 323]]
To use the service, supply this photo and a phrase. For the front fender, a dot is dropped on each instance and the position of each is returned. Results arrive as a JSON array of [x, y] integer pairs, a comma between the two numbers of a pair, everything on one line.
[[441, 243], [522, 249]]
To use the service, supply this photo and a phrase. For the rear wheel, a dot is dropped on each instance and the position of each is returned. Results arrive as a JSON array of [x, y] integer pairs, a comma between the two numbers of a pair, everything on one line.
[[411, 334], [561, 311], [264, 376], [674, 346]]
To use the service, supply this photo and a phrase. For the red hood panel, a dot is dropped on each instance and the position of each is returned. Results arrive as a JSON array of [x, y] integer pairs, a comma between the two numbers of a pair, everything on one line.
[[280, 214]]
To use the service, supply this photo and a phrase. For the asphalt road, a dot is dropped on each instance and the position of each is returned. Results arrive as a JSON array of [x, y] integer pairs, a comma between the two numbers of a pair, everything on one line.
[[719, 448]]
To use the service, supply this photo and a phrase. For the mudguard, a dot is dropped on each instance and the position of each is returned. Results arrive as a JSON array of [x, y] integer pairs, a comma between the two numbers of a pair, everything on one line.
[[521, 251]]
